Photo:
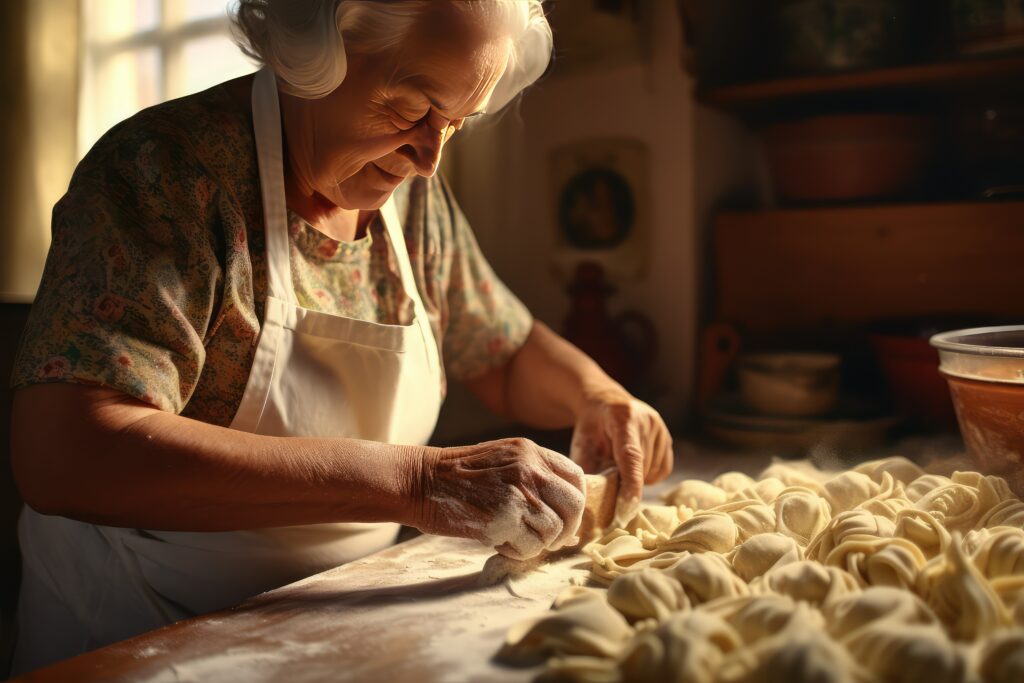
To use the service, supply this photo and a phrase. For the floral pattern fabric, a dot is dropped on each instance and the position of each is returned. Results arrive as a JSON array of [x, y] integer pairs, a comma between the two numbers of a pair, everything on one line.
[[156, 277]]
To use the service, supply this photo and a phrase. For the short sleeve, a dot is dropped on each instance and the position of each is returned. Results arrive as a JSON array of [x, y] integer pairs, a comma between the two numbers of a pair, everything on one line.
[[131, 278], [486, 322]]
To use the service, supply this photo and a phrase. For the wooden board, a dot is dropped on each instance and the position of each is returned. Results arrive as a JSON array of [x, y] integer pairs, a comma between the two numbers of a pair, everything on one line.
[[945, 78], [850, 266], [414, 612]]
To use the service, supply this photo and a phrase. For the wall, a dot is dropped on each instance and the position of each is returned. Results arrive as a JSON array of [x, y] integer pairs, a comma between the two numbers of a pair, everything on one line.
[[38, 104], [501, 182]]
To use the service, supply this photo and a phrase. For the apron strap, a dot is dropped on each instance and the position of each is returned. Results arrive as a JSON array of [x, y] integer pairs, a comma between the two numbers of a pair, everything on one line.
[[393, 226], [266, 117]]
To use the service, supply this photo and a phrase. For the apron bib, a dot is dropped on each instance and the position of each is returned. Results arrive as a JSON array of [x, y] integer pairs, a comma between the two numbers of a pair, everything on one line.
[[313, 375]]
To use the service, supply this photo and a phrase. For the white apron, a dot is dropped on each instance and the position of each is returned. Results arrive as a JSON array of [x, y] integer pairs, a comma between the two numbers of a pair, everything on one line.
[[313, 375]]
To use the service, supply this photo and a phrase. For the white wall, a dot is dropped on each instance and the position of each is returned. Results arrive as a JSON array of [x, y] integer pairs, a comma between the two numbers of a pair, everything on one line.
[[501, 181]]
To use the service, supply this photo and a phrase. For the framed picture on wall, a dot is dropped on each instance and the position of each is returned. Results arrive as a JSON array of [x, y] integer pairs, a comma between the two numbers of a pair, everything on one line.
[[599, 206]]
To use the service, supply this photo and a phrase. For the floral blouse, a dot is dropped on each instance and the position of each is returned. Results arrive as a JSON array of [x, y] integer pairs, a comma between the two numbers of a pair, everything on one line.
[[156, 278]]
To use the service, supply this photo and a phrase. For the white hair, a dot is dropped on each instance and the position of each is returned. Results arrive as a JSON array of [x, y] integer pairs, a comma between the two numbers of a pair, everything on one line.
[[305, 41]]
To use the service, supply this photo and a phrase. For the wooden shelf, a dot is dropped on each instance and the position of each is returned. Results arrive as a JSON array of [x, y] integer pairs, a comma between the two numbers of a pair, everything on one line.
[[821, 267], [1004, 74]]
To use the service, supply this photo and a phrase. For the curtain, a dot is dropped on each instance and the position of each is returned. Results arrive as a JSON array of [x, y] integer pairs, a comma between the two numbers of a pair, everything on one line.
[[39, 55]]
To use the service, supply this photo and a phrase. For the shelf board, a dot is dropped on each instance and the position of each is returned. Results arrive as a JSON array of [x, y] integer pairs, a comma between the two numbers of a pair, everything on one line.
[[848, 266], [1005, 73]]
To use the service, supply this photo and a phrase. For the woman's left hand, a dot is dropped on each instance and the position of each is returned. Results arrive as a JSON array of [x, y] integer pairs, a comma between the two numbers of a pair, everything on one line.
[[613, 428]]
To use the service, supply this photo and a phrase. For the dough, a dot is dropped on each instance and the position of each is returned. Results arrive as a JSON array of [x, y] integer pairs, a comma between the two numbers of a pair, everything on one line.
[[845, 524], [705, 531], [874, 561], [1007, 513], [923, 530], [801, 513], [655, 523], [807, 581], [1002, 658], [846, 616], [751, 517], [798, 653], [685, 648], [848, 490], [901, 469], [924, 484], [647, 594], [696, 494], [760, 553], [881, 573], [906, 653], [706, 577], [582, 624], [961, 597], [1001, 553]]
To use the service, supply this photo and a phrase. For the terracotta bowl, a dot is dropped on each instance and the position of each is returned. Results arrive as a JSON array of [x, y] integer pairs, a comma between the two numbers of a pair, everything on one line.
[[985, 370], [848, 156]]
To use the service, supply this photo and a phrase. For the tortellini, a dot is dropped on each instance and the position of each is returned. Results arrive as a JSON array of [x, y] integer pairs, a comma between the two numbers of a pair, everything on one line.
[[883, 572]]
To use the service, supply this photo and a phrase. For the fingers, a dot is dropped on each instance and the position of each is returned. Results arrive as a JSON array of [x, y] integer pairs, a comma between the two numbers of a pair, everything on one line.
[[659, 450], [629, 456], [565, 494]]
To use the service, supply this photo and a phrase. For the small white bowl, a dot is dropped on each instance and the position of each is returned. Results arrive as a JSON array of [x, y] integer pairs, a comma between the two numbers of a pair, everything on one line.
[[790, 384]]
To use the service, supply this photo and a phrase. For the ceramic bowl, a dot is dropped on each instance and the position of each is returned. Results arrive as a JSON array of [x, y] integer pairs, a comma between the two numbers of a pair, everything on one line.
[[790, 384]]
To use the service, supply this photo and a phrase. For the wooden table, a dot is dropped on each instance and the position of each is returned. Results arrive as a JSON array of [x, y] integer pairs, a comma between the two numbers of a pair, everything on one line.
[[414, 612]]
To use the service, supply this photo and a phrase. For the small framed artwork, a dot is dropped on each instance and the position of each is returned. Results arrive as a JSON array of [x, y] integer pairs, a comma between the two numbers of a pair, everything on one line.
[[599, 206]]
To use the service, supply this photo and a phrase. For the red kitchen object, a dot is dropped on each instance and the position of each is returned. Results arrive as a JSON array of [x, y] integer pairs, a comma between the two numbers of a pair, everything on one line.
[[918, 390]]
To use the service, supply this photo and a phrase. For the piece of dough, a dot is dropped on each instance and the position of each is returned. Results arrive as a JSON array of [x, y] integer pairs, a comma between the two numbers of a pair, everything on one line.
[[801, 513], [907, 653], [704, 532], [695, 494], [581, 624], [1001, 553], [845, 524], [848, 490], [961, 597], [847, 615], [705, 577], [901, 469], [685, 648], [1002, 658], [751, 516], [808, 581], [647, 594], [760, 553]]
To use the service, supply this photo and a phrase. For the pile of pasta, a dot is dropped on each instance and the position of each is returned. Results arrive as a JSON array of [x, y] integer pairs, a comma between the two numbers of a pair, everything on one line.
[[880, 573]]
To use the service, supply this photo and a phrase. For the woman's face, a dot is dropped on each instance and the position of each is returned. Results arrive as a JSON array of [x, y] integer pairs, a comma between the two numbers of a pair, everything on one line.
[[391, 116]]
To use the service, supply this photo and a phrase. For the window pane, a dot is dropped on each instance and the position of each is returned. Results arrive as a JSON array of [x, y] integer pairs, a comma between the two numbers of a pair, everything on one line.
[[211, 60], [125, 83], [203, 9], [108, 20]]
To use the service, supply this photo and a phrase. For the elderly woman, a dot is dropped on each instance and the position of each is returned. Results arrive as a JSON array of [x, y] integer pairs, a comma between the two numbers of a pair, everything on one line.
[[240, 343]]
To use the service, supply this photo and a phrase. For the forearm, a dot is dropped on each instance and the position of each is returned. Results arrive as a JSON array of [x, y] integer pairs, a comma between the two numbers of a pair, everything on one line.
[[548, 381], [124, 464]]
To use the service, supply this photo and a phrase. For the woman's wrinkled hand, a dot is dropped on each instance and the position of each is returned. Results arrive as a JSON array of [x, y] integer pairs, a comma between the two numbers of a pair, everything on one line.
[[615, 429], [509, 494]]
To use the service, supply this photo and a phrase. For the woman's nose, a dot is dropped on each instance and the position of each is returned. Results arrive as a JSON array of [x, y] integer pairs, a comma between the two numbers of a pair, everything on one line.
[[425, 150]]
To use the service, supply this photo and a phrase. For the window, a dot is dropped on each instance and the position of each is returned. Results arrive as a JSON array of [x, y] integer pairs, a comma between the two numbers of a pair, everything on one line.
[[137, 53]]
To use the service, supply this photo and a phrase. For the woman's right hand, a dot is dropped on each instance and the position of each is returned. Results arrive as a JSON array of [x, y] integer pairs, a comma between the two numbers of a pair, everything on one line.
[[510, 494]]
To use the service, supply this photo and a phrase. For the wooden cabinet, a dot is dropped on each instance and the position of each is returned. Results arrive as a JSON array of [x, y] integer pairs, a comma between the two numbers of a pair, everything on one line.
[[851, 266]]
